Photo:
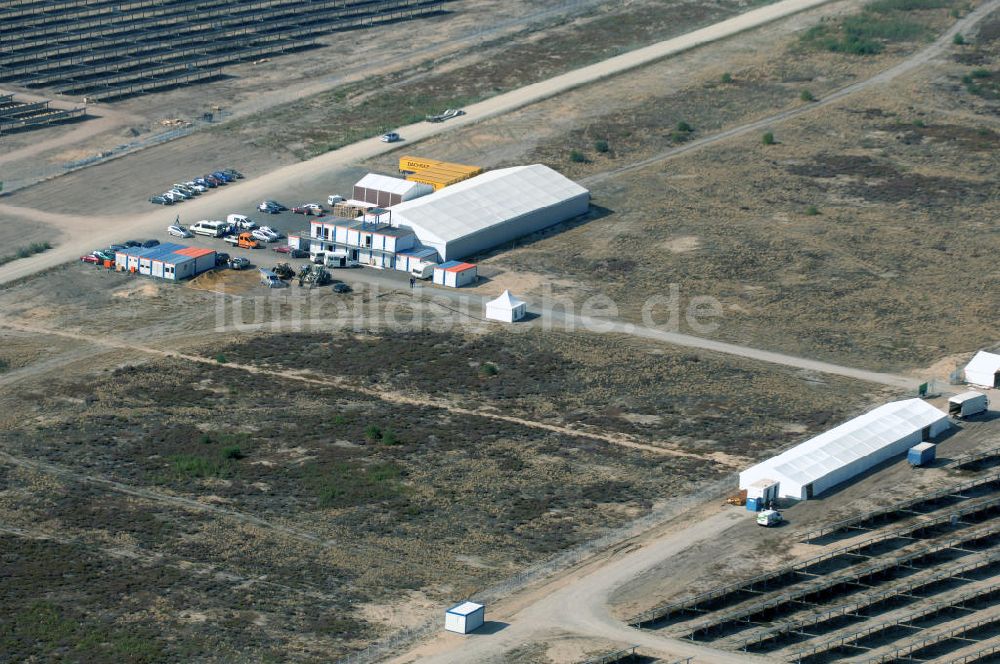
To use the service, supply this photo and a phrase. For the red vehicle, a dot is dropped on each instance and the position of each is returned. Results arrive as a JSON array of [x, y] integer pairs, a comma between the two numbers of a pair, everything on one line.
[[90, 258], [309, 208]]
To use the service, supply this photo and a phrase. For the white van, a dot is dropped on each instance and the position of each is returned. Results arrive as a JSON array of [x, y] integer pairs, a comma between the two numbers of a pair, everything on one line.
[[425, 271], [333, 199], [241, 221], [210, 228]]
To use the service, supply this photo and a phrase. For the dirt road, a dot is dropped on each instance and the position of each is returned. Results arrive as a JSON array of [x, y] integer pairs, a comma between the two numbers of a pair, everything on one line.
[[578, 603], [233, 196]]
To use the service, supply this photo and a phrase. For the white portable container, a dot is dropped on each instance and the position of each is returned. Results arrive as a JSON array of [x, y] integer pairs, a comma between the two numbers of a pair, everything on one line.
[[968, 404], [464, 617]]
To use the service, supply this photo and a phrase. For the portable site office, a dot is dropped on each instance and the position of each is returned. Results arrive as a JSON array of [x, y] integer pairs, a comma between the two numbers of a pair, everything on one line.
[[169, 261], [464, 617]]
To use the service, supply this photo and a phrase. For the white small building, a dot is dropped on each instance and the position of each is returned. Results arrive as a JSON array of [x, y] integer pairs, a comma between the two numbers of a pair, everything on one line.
[[983, 370], [385, 191], [506, 308], [850, 449], [454, 274], [464, 617]]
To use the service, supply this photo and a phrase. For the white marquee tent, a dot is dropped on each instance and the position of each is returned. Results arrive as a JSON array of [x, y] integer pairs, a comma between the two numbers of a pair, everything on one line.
[[983, 370], [850, 449], [506, 308], [490, 209]]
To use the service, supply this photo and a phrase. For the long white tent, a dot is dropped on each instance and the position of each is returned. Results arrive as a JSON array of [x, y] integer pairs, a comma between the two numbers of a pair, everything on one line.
[[850, 449], [983, 370], [491, 209]]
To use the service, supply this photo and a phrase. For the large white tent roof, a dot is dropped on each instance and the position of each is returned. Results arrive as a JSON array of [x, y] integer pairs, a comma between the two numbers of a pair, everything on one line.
[[390, 184], [853, 440], [484, 201], [983, 365]]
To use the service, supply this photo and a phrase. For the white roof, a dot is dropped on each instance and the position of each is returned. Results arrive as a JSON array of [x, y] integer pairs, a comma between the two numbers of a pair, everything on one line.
[[853, 440], [486, 200], [983, 362], [391, 185], [506, 301], [465, 608], [965, 396]]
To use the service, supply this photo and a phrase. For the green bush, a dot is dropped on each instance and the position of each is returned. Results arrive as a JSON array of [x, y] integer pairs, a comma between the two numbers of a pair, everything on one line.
[[812, 210], [577, 157], [233, 452], [886, 6], [489, 369], [726, 78], [768, 138], [220, 358], [205, 439], [862, 34], [25, 252], [191, 466], [348, 484], [373, 432], [389, 438], [4, 365], [684, 127], [806, 95], [958, 39], [602, 147], [339, 420]]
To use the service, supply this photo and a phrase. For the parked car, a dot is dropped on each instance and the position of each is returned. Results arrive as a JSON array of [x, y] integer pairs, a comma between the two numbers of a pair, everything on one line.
[[90, 258], [117, 247], [133, 243], [333, 199], [222, 176], [233, 173], [243, 241], [190, 191], [172, 197], [221, 258], [200, 188], [390, 137], [341, 288], [209, 228], [178, 231], [149, 244], [309, 208], [292, 253], [238, 263], [206, 182], [271, 207], [102, 255], [214, 180], [277, 235], [241, 221], [263, 236], [160, 200]]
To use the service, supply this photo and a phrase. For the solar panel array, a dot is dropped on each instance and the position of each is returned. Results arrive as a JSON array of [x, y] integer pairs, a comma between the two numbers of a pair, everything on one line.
[[106, 49], [17, 115]]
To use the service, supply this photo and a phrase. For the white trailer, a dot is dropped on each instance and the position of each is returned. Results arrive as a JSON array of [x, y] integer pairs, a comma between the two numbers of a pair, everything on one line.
[[464, 617], [968, 404]]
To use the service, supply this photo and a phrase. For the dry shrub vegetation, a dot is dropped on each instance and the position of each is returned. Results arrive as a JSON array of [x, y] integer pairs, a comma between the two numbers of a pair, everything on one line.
[[450, 504], [861, 237]]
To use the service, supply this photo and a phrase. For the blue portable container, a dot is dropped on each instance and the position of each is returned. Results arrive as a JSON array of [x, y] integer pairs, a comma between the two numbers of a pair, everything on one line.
[[755, 504], [922, 454]]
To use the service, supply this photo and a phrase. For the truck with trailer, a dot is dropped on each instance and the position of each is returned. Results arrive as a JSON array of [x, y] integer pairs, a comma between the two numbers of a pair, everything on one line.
[[968, 404]]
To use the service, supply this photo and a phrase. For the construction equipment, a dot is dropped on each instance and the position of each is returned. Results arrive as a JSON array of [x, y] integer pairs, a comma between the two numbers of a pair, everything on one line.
[[739, 499], [314, 275], [284, 271]]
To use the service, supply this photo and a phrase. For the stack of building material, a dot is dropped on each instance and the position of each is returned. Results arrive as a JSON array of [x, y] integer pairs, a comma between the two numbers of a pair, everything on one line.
[[437, 174]]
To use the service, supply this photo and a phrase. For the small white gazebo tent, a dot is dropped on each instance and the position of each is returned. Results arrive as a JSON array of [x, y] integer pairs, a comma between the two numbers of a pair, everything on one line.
[[506, 308]]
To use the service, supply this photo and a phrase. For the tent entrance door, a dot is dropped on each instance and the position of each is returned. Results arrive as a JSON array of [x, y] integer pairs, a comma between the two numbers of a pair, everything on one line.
[[809, 491], [925, 434]]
